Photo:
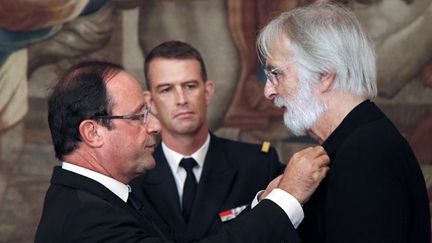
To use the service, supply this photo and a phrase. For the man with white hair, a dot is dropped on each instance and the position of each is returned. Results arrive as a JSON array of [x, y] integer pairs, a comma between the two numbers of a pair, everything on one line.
[[320, 68]]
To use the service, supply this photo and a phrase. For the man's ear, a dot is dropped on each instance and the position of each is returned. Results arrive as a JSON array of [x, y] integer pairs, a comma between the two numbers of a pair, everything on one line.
[[326, 81], [91, 133], [209, 90]]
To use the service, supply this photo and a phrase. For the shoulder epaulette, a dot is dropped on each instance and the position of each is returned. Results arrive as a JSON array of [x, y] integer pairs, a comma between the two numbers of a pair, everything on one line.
[[265, 147]]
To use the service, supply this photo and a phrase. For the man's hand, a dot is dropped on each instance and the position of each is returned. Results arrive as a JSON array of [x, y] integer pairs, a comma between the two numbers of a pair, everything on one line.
[[272, 185], [304, 172]]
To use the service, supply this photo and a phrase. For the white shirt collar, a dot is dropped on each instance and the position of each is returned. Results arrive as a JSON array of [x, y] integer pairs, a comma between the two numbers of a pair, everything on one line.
[[174, 158], [118, 188]]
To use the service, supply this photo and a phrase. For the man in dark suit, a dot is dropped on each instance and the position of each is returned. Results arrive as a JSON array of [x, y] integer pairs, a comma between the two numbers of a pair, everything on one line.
[[227, 173], [320, 67], [103, 131]]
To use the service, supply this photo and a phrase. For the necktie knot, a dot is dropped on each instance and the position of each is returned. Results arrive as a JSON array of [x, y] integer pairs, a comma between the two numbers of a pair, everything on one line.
[[188, 164]]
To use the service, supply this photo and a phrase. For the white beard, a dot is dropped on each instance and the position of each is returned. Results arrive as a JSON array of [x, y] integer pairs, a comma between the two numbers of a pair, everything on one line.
[[302, 110]]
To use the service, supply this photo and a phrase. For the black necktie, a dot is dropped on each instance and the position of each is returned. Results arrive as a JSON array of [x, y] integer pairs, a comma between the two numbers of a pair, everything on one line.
[[189, 188], [134, 201]]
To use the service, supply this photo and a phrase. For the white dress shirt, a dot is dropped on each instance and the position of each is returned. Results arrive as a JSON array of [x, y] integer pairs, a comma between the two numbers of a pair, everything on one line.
[[179, 172], [118, 188], [283, 199]]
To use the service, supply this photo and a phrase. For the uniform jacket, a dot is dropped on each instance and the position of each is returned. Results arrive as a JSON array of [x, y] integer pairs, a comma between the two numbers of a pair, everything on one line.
[[233, 172]]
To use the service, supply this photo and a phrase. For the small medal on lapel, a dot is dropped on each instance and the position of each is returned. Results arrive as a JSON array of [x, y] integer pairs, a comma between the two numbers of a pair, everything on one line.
[[231, 213]]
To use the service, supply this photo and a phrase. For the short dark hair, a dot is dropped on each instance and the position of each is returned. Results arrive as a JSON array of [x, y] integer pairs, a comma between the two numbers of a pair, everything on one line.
[[79, 94], [174, 50]]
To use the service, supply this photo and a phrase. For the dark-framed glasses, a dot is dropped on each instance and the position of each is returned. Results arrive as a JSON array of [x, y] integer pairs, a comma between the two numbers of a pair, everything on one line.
[[137, 117]]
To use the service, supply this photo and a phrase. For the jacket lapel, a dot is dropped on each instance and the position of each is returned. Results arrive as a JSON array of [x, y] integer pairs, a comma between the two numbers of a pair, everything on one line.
[[161, 190], [71, 179], [216, 180]]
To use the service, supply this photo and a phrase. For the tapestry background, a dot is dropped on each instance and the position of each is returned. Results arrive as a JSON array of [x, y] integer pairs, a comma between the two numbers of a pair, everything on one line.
[[39, 39]]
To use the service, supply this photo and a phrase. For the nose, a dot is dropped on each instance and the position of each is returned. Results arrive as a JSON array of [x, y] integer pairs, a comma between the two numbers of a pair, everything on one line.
[[181, 97], [153, 125], [269, 90]]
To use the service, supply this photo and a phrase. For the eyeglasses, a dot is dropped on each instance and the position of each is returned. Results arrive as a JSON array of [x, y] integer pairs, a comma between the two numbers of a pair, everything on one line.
[[143, 117], [273, 75]]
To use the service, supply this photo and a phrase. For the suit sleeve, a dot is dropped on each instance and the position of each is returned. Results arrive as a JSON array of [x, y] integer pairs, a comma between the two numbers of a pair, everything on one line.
[[267, 222]]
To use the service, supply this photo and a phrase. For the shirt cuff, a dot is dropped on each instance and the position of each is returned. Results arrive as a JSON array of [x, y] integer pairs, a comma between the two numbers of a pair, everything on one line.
[[288, 203], [255, 201]]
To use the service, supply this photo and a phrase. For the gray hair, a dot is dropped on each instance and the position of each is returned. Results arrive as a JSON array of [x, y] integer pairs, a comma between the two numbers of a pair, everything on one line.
[[324, 38]]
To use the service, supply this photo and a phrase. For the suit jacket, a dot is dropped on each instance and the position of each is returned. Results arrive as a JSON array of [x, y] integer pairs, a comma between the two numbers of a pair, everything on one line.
[[374, 191], [232, 174], [79, 209]]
